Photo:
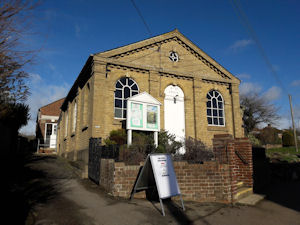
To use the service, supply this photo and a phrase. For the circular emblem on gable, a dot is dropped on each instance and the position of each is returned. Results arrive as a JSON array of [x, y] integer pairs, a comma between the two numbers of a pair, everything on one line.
[[174, 56]]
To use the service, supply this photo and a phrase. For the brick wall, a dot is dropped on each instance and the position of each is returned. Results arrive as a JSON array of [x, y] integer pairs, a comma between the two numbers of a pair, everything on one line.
[[225, 147], [208, 182], [214, 181]]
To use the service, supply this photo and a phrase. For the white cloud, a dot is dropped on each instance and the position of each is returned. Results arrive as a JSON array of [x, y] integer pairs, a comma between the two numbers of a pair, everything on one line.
[[41, 94], [283, 123], [272, 93], [241, 44], [244, 76], [249, 88], [296, 83]]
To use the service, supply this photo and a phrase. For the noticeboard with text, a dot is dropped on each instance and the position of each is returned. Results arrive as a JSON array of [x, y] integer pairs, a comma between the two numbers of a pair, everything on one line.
[[164, 175], [143, 113]]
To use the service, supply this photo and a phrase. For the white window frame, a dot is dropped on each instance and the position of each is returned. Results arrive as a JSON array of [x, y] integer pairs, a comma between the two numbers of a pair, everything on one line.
[[212, 108], [122, 98]]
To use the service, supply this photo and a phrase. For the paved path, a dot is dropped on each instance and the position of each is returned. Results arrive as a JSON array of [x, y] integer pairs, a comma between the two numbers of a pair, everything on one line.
[[58, 197]]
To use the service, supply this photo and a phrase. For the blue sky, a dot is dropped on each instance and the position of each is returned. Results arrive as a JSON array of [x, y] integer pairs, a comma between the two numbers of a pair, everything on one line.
[[67, 32]]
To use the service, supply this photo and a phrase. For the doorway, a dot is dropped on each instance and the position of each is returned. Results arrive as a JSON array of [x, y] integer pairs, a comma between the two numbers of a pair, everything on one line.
[[174, 116]]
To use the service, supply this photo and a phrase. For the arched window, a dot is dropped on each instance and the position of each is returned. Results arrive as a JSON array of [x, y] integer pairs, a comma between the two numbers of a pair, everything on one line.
[[215, 109], [125, 88]]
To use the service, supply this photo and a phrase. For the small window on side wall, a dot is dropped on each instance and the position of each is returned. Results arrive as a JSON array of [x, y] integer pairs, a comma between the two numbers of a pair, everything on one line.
[[215, 109]]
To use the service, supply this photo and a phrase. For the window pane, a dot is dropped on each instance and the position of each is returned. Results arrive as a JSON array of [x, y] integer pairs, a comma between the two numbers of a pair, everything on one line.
[[220, 105], [208, 96], [49, 129], [119, 85], [126, 92], [134, 93], [215, 121], [125, 104], [214, 103], [130, 82], [124, 114], [118, 103], [134, 87], [123, 80], [220, 98], [215, 112], [209, 112], [118, 113], [118, 93], [209, 120], [208, 104], [211, 93], [220, 113], [221, 121]]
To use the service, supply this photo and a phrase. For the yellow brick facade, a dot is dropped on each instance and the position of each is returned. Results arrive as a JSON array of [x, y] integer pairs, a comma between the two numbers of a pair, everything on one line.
[[147, 63]]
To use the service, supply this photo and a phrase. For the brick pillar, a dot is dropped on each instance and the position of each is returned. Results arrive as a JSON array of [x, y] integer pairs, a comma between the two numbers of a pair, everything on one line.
[[223, 147], [233, 169], [245, 171]]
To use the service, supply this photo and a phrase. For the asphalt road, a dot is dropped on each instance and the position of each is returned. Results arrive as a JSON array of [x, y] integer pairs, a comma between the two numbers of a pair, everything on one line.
[[53, 195]]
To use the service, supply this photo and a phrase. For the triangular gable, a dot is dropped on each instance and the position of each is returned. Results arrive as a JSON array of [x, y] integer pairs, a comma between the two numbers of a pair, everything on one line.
[[144, 97], [156, 41]]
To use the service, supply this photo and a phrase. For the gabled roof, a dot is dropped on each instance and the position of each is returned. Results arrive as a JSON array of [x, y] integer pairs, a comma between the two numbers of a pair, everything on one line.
[[114, 54], [157, 40], [144, 97], [53, 108]]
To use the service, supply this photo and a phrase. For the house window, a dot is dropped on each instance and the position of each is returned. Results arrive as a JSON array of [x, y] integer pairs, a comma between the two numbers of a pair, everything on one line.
[[215, 109], [84, 105], [66, 123], [125, 88], [74, 116]]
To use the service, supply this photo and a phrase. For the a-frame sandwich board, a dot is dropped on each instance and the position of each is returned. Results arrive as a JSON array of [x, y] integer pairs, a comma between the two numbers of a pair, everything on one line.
[[159, 166]]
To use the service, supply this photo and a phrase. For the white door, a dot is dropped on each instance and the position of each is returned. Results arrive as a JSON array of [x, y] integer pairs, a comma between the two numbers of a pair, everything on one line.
[[53, 136], [174, 113], [50, 137]]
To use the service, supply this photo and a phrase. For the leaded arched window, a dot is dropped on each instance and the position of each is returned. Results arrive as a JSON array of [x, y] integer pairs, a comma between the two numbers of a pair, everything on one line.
[[215, 109], [125, 88]]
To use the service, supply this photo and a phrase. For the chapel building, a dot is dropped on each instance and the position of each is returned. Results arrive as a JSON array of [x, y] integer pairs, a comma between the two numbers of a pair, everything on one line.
[[199, 97]]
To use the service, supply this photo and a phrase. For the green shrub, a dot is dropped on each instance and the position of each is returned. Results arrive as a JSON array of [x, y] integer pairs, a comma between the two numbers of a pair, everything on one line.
[[288, 139], [196, 151], [167, 143], [269, 135], [118, 137], [254, 141]]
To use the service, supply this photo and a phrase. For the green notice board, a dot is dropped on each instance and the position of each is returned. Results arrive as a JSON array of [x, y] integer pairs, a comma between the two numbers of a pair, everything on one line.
[[136, 119]]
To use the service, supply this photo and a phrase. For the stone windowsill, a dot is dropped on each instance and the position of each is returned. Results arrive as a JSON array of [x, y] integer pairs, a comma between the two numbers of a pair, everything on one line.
[[118, 121], [217, 128]]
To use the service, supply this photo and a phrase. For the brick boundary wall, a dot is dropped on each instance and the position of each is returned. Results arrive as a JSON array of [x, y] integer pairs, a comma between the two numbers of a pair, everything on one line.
[[214, 181], [208, 182]]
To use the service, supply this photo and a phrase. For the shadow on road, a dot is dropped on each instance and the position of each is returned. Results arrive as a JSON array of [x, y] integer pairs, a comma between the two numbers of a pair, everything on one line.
[[26, 187], [278, 181]]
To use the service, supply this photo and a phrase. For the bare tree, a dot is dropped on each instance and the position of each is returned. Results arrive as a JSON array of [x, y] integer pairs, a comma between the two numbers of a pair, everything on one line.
[[14, 21], [257, 110]]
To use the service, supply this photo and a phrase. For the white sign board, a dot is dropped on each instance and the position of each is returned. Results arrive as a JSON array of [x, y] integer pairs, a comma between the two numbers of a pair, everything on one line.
[[164, 175], [158, 171], [143, 113]]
